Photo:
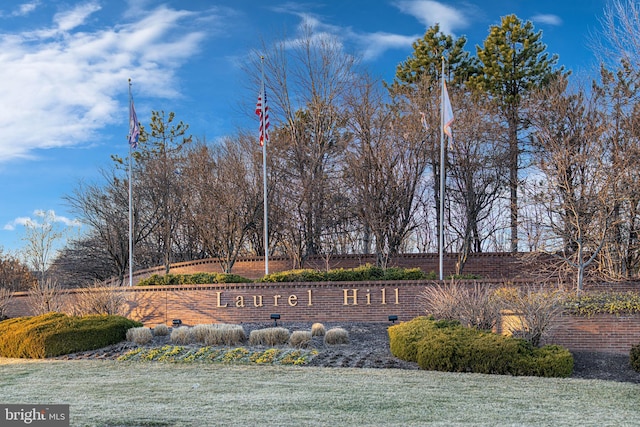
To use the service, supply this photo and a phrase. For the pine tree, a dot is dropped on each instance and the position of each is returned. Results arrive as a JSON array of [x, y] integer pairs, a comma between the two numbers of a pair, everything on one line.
[[514, 63]]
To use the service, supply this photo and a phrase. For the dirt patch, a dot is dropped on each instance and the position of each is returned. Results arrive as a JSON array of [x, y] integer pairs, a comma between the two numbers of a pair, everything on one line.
[[368, 347]]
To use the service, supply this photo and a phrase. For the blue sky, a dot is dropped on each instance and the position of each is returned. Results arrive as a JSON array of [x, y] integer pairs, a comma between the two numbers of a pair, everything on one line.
[[64, 67]]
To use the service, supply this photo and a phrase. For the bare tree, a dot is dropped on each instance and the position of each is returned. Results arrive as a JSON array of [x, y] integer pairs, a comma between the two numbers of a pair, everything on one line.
[[14, 275], [41, 238], [477, 173], [618, 94], [45, 296], [306, 80], [580, 181], [223, 203], [6, 295], [620, 36], [385, 167]]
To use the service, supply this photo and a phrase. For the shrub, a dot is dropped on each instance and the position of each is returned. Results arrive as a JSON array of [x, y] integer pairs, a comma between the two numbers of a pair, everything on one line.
[[591, 303], [54, 334], [161, 330], [224, 334], [198, 333], [269, 336], [336, 336], [181, 335], [536, 310], [547, 361], [317, 330], [139, 335], [404, 337], [6, 295], [361, 273], [300, 339], [45, 296], [449, 346], [192, 279], [634, 357], [472, 306], [98, 299]]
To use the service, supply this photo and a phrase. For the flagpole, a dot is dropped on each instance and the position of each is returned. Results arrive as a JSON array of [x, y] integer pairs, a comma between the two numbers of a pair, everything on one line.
[[264, 169], [130, 195], [442, 166]]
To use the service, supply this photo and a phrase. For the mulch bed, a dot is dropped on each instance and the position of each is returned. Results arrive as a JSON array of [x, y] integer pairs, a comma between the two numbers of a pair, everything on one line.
[[368, 347]]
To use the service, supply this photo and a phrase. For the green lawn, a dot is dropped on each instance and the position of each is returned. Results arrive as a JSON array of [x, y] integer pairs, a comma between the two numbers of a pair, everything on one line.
[[111, 393]]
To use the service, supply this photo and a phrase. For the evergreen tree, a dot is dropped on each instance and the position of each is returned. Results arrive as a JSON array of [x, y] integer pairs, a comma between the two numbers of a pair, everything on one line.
[[514, 63]]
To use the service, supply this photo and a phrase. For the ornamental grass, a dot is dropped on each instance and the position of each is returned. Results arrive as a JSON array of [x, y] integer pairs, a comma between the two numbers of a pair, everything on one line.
[[140, 335], [300, 339], [335, 336], [269, 336], [318, 330]]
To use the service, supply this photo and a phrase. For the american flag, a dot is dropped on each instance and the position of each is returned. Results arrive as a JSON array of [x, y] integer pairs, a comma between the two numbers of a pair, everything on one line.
[[262, 110], [134, 127]]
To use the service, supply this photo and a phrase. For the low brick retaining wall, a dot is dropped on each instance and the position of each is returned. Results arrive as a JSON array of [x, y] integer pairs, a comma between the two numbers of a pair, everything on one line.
[[331, 302], [603, 332]]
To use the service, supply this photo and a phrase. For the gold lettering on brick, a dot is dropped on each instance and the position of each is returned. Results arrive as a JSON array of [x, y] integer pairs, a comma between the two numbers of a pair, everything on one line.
[[275, 300], [384, 296], [309, 295], [219, 300], [240, 301], [397, 292], [368, 297], [293, 300], [257, 301], [354, 295]]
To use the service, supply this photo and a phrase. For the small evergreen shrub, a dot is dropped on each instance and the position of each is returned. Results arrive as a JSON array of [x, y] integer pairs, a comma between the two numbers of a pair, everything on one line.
[[362, 273], [139, 335], [335, 336], [161, 330], [269, 336], [181, 335], [591, 303], [634, 357], [192, 279], [449, 346], [54, 334], [300, 339], [317, 330], [404, 337]]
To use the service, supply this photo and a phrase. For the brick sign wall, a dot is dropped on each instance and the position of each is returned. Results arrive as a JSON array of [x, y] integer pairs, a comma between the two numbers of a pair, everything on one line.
[[331, 302], [309, 302]]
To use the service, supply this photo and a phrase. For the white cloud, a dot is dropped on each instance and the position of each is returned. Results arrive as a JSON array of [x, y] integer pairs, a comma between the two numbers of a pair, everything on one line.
[[430, 13], [37, 218], [59, 86], [25, 8], [75, 17], [375, 44], [547, 19]]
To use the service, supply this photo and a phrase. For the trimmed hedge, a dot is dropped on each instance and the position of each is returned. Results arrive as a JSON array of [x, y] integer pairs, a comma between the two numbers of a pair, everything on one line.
[[54, 334], [366, 272], [591, 303], [451, 347], [192, 279]]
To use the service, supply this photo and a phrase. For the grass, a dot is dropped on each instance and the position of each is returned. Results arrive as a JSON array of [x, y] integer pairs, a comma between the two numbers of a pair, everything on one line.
[[128, 394]]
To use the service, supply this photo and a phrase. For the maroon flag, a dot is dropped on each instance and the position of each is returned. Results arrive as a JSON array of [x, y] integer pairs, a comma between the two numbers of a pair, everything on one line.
[[262, 110]]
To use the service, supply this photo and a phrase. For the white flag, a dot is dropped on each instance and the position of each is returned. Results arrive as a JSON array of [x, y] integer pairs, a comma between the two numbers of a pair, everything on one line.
[[447, 112]]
